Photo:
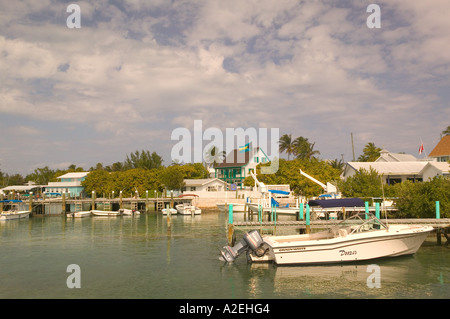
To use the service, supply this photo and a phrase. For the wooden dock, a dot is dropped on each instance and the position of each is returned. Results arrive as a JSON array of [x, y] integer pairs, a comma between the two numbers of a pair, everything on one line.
[[61, 205]]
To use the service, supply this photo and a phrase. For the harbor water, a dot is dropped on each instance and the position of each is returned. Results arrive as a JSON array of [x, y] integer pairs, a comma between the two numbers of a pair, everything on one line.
[[147, 257]]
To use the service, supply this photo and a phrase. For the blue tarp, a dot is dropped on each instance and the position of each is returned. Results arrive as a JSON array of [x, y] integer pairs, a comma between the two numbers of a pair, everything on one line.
[[275, 191], [341, 202], [11, 201], [274, 203]]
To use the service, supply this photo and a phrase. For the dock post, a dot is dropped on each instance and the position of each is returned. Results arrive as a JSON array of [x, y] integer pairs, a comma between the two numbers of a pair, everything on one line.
[[30, 203], [120, 200], [93, 200], [63, 211], [377, 210], [438, 212], [1, 202], [300, 211], [308, 222], [146, 201], [367, 209], [230, 230]]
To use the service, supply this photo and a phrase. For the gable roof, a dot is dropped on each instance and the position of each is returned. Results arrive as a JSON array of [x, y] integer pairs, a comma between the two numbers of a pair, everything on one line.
[[74, 175], [442, 148], [202, 181], [236, 158], [386, 156], [391, 168]]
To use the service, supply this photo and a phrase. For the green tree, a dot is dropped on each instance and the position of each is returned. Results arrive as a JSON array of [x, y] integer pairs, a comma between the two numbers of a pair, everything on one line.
[[446, 131], [42, 176], [303, 149], [362, 184], [143, 159], [214, 156], [370, 153], [172, 178], [286, 144]]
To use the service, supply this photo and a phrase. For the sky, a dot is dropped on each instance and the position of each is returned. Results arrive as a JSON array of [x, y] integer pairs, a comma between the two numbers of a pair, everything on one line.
[[135, 71]]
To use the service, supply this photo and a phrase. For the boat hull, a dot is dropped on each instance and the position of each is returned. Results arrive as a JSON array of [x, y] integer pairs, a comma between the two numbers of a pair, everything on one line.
[[188, 210], [397, 241], [105, 213], [9, 215], [79, 214]]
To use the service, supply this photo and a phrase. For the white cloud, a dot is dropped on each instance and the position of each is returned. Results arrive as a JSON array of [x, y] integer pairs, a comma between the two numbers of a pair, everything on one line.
[[140, 69]]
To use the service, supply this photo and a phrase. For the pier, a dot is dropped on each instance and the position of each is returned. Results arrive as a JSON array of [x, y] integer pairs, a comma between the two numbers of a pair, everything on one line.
[[61, 205]]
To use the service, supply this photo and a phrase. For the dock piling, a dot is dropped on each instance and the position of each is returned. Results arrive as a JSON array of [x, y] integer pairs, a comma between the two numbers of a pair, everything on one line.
[[230, 230]]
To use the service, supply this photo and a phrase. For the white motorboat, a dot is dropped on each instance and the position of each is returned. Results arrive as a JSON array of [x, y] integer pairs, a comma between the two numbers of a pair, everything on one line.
[[105, 213], [129, 212], [13, 214], [186, 209], [79, 214], [360, 237], [172, 211]]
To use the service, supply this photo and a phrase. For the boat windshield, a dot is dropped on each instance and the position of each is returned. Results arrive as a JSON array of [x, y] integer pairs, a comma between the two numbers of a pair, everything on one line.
[[361, 222]]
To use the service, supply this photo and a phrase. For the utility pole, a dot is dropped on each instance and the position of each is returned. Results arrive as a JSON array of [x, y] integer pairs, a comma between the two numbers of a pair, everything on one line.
[[353, 147]]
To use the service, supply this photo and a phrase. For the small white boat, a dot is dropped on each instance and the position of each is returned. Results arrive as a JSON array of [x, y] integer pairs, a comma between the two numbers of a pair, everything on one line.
[[105, 213], [172, 211], [186, 209], [79, 214], [360, 237], [129, 212], [12, 214]]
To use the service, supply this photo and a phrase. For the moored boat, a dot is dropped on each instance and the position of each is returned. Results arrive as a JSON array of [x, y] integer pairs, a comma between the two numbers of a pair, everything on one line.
[[105, 213], [360, 237], [129, 212], [79, 214], [12, 214]]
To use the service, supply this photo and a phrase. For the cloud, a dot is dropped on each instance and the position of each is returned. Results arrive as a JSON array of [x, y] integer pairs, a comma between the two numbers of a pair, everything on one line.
[[138, 69]]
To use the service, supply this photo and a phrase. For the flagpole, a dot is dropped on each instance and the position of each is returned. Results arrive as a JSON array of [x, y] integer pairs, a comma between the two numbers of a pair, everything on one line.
[[422, 148]]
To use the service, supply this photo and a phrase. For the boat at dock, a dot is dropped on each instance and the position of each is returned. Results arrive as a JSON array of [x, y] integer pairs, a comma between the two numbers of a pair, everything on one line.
[[13, 214], [188, 207], [129, 212], [80, 214], [358, 238], [105, 213]]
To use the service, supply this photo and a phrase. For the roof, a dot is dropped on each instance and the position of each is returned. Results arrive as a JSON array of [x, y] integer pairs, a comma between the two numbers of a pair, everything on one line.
[[74, 175], [236, 158], [444, 167], [386, 168], [201, 181], [395, 157], [442, 148]]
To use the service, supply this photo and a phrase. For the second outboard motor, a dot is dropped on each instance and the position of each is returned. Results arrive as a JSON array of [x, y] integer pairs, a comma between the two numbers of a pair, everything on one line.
[[251, 240]]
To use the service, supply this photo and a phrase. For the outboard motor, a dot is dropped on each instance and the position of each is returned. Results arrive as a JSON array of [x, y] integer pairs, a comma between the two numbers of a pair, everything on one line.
[[251, 240]]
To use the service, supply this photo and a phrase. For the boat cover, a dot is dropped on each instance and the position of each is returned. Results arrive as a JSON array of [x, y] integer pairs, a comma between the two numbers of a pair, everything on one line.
[[341, 202], [275, 191]]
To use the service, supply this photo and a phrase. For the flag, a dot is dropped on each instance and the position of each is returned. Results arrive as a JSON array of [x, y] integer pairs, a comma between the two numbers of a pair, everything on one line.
[[421, 148], [244, 148]]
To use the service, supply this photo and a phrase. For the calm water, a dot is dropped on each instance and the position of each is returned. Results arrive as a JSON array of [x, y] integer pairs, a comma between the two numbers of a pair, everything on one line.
[[142, 257]]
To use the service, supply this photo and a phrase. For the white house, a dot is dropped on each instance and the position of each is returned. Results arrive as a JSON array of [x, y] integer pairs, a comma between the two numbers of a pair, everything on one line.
[[204, 185], [396, 172]]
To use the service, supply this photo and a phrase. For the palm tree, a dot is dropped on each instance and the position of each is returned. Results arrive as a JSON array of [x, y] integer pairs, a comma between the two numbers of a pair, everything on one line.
[[446, 131], [338, 164], [304, 149], [286, 144], [370, 153], [214, 156]]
